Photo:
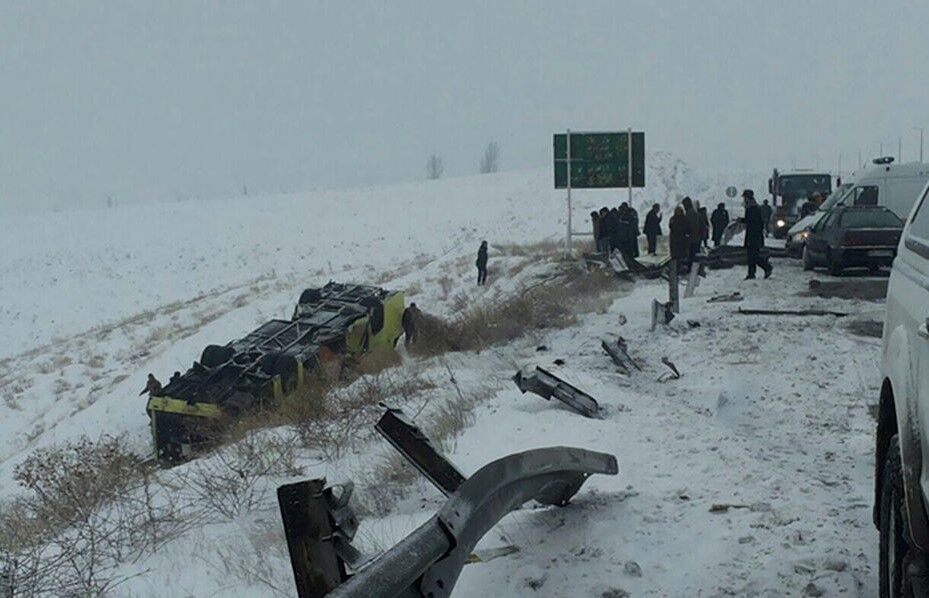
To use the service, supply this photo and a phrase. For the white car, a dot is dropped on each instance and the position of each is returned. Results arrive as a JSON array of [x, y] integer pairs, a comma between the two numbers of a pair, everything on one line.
[[902, 447]]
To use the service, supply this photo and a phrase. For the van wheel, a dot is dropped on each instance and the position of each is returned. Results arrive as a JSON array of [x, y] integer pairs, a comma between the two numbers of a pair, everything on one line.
[[893, 543], [807, 260]]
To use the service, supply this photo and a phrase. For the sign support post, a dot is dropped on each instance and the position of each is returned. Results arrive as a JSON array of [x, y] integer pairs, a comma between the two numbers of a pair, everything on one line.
[[629, 164], [567, 240]]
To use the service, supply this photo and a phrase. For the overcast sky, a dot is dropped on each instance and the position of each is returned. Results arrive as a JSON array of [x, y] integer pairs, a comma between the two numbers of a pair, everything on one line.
[[144, 100]]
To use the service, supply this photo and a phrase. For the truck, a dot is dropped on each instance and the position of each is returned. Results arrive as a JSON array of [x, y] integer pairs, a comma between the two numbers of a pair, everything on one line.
[[329, 325], [789, 190]]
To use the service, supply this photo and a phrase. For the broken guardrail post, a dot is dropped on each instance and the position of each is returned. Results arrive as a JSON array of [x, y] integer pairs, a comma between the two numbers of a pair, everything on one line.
[[693, 279], [674, 287], [410, 441], [545, 384], [309, 530], [619, 353]]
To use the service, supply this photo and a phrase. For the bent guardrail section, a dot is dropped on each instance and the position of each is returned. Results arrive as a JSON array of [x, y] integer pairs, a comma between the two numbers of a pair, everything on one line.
[[429, 560]]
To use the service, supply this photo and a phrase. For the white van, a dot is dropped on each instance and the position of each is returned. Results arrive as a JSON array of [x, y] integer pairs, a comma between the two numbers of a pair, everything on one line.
[[894, 186]]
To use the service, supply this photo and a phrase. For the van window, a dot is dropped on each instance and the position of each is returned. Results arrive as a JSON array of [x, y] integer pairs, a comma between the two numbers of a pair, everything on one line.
[[919, 227], [870, 219], [865, 195], [828, 221]]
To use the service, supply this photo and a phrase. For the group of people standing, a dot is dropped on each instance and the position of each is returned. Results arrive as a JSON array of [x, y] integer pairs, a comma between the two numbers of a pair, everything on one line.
[[690, 228], [617, 228]]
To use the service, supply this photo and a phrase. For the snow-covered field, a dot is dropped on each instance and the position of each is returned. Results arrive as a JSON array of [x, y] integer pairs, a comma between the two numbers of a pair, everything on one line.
[[771, 414]]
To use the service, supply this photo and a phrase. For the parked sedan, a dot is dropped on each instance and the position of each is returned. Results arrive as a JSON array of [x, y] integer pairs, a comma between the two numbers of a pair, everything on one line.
[[853, 236], [799, 233]]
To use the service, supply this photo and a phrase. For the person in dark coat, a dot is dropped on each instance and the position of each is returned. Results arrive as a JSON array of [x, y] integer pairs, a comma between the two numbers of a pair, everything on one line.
[[408, 321], [652, 228], [720, 220], [631, 231], [704, 227], [604, 231], [618, 231], [754, 236], [595, 225], [482, 264], [766, 212], [626, 235], [152, 386], [679, 233], [693, 218]]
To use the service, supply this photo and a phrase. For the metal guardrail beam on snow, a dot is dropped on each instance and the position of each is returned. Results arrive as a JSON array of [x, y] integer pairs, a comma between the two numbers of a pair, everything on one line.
[[429, 560]]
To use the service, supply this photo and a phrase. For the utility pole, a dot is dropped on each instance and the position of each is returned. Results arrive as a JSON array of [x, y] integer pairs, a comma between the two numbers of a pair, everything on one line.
[[921, 133]]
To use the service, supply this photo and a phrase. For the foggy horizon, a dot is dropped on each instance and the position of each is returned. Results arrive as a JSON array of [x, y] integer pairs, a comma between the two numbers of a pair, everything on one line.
[[182, 100]]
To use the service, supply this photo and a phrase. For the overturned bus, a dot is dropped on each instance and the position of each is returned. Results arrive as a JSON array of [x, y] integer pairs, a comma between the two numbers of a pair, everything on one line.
[[275, 360]]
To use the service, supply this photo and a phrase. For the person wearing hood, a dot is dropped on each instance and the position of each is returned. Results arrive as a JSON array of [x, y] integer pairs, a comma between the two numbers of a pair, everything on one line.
[[628, 231], [482, 264], [754, 236], [720, 220], [652, 228], [693, 219], [679, 237]]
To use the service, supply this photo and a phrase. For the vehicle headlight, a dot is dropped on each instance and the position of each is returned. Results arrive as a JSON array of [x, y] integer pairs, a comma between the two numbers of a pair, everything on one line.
[[780, 224], [804, 234]]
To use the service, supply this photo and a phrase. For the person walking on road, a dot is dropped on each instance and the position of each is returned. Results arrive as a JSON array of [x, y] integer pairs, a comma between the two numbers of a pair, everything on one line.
[[754, 236], [482, 264], [766, 212], [679, 233], [720, 220], [152, 386], [652, 228], [408, 321]]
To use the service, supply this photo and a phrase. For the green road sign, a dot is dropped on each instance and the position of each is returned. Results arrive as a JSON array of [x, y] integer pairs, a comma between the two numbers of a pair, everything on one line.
[[599, 160]]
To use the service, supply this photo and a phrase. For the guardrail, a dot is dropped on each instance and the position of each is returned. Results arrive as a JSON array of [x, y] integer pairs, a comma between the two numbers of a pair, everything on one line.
[[320, 525]]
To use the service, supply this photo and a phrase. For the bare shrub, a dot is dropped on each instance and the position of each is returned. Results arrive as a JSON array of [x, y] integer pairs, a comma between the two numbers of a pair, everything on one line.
[[333, 420], [233, 479], [93, 505], [384, 485], [262, 560], [490, 161], [434, 167], [546, 248], [549, 303], [446, 284]]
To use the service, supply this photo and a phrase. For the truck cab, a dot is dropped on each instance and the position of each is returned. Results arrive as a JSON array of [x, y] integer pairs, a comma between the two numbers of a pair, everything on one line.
[[789, 191]]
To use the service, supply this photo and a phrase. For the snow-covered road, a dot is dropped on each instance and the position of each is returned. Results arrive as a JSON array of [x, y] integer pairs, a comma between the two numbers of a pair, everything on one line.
[[771, 414]]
